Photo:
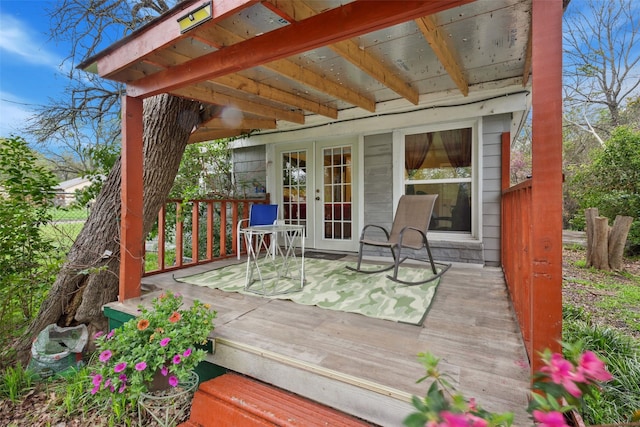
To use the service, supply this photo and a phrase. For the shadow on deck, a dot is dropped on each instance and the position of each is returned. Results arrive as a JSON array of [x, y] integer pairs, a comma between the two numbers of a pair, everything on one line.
[[363, 366]]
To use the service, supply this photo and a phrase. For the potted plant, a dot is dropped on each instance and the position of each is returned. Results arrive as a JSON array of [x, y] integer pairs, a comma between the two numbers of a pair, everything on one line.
[[158, 349]]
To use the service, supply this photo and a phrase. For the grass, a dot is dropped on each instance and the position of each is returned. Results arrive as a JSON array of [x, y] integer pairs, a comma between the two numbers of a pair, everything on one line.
[[618, 293], [619, 399], [15, 382]]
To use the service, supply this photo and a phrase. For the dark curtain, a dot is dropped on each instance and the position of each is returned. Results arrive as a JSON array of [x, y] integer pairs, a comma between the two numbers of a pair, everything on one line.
[[457, 144], [416, 149]]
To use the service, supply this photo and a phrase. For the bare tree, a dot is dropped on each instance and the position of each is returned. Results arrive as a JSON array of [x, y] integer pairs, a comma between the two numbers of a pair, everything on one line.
[[602, 60], [87, 281]]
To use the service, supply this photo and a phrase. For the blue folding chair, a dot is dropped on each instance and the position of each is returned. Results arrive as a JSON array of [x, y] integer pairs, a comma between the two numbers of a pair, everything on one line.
[[259, 214]]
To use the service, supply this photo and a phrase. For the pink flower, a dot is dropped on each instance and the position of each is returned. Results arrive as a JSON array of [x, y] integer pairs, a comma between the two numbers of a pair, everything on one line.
[[592, 367], [122, 387], [98, 334], [97, 380], [173, 381], [549, 419], [187, 353], [460, 420], [561, 372], [120, 367], [105, 356], [176, 359], [164, 371], [95, 389], [164, 342], [141, 366], [111, 334]]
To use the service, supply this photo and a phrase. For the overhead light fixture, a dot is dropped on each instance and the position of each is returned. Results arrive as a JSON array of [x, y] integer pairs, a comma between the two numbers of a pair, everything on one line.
[[195, 17]]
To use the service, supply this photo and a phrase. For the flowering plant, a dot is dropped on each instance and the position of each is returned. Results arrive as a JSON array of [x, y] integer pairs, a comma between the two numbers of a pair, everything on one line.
[[562, 384], [161, 342]]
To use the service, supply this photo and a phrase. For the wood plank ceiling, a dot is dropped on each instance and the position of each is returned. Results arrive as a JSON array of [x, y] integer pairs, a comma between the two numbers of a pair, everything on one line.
[[257, 64]]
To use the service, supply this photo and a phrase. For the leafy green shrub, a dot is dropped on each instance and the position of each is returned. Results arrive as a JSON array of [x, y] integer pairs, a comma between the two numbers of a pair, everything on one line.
[[27, 261], [611, 182], [618, 399]]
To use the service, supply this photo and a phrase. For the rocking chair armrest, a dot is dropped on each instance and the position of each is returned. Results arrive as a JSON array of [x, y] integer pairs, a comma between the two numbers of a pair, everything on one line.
[[409, 228], [384, 230]]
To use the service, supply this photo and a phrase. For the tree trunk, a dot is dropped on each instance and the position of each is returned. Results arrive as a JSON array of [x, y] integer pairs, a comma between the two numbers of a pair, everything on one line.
[[590, 217], [600, 249], [618, 239], [605, 245], [89, 277]]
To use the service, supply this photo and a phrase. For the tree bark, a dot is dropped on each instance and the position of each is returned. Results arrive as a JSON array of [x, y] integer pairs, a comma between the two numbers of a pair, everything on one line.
[[89, 277], [600, 249], [590, 218], [618, 239]]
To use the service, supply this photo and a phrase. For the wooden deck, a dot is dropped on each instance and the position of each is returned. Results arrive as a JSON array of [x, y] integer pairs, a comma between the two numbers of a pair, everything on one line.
[[368, 367]]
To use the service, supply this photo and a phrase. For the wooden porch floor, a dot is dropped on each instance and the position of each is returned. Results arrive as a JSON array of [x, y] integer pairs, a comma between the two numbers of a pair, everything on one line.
[[368, 367]]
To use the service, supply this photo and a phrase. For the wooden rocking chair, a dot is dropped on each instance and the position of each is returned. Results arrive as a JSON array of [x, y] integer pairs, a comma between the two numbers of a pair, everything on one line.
[[409, 231]]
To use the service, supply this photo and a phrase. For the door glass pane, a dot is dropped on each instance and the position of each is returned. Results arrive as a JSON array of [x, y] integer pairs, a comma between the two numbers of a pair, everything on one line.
[[337, 193], [294, 187]]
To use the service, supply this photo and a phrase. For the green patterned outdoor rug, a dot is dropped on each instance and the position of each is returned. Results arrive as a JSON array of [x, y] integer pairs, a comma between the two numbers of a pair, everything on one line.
[[328, 284]]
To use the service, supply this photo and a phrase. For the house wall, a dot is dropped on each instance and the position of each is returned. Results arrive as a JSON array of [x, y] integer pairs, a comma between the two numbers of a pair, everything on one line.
[[378, 195], [493, 113], [249, 171], [492, 129]]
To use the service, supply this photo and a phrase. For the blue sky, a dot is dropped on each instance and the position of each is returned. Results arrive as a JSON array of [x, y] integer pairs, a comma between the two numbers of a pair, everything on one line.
[[31, 69]]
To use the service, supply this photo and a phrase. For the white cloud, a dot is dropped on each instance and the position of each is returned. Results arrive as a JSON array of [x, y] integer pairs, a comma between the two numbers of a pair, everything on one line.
[[18, 43], [14, 115]]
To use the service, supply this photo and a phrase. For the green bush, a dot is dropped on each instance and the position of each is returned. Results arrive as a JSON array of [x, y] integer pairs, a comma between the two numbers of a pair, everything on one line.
[[27, 261], [619, 398], [611, 183]]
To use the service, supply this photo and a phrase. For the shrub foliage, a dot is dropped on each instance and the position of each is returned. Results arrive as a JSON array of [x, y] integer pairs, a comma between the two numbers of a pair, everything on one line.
[[611, 182]]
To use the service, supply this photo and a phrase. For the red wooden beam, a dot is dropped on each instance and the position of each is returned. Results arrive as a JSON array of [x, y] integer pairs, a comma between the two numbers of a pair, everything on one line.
[[337, 24], [546, 212], [158, 35], [131, 238], [505, 140]]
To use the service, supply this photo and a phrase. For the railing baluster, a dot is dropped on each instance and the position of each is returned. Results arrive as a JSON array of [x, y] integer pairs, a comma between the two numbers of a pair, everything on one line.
[[195, 231], [228, 222], [517, 258]]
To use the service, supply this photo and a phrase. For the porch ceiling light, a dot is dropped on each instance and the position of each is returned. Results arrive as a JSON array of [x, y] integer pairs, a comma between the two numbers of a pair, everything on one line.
[[195, 17]]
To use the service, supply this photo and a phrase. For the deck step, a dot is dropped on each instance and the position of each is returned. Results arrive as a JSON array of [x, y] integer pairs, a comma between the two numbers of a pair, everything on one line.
[[237, 401]]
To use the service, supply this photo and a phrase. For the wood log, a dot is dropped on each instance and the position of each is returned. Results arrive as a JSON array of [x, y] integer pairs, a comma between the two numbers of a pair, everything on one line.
[[590, 217], [600, 248], [618, 239]]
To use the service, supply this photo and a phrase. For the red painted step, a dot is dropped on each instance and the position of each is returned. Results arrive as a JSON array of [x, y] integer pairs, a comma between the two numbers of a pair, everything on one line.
[[236, 401]]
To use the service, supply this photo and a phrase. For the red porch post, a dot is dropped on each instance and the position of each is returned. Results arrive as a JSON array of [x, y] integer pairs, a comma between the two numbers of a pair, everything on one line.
[[131, 238], [546, 214]]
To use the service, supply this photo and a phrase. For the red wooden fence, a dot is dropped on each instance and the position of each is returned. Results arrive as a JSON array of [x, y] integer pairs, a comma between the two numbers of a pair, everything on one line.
[[517, 258], [218, 217]]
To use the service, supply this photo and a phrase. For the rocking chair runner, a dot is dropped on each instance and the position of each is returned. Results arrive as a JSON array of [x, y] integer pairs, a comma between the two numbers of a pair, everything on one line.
[[409, 230]]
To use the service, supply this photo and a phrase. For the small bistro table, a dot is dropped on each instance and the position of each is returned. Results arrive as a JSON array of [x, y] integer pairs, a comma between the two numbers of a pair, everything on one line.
[[273, 269]]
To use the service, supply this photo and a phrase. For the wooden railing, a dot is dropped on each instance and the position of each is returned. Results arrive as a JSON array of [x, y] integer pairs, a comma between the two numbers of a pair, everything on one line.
[[196, 232], [517, 259]]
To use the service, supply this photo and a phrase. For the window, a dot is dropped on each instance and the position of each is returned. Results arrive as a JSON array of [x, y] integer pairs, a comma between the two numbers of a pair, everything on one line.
[[441, 163]]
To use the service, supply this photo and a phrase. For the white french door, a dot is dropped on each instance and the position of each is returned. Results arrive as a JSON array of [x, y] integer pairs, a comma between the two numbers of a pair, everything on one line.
[[318, 189]]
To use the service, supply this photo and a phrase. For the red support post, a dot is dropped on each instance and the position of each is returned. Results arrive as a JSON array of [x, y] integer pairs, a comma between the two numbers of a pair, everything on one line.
[[131, 238], [546, 211]]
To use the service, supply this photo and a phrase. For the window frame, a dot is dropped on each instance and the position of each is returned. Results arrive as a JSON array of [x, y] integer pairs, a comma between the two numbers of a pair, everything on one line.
[[475, 180]]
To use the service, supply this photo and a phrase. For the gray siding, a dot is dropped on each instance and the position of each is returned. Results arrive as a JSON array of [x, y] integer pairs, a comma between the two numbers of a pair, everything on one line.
[[249, 171], [493, 127], [378, 184]]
